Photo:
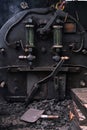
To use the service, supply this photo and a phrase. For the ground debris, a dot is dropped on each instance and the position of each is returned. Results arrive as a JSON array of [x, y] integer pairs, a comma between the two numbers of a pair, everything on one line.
[[10, 114]]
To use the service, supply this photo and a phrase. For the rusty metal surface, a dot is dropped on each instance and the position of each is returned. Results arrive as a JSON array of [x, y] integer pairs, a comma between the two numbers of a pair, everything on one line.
[[79, 95]]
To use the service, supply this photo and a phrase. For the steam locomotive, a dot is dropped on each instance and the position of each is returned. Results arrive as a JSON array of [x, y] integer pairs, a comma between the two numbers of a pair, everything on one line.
[[43, 53]]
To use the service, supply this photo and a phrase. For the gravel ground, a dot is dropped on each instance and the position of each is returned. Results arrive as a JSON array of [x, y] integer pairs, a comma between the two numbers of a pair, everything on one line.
[[10, 114]]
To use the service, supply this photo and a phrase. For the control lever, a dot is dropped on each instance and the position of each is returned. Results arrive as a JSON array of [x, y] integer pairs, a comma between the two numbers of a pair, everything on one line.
[[44, 80]]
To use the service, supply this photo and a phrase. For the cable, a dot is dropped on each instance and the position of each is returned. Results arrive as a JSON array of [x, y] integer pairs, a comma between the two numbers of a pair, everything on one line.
[[68, 65], [80, 48]]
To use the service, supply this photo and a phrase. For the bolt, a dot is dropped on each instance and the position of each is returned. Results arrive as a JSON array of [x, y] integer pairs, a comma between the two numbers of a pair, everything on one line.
[[84, 51], [24, 5], [82, 83], [2, 50], [2, 84]]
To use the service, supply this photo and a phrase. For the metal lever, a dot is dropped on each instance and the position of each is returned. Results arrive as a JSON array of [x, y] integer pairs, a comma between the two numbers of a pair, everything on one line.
[[37, 85], [55, 71]]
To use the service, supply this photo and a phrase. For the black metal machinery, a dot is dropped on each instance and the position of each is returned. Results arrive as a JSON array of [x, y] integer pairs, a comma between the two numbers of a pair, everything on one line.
[[43, 55]]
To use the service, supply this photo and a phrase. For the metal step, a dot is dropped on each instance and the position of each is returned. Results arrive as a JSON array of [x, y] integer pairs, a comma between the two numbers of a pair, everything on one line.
[[79, 96]]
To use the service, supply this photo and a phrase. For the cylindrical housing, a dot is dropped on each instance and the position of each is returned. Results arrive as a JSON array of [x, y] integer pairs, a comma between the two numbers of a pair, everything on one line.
[[30, 35], [57, 36]]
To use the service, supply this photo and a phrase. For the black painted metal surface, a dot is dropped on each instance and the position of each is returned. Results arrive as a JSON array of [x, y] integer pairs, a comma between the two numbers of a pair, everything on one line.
[[22, 66], [11, 7]]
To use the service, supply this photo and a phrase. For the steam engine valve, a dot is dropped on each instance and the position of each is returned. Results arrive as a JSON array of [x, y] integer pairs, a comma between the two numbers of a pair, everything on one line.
[[57, 40], [29, 42], [30, 58]]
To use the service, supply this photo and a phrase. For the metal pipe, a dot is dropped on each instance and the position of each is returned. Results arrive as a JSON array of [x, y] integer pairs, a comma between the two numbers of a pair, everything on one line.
[[50, 116]]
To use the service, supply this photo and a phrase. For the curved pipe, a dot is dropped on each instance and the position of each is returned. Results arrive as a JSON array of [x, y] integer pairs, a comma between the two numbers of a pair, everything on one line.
[[18, 17]]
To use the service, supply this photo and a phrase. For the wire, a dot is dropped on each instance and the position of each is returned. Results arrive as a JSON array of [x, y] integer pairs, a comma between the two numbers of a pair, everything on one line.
[[80, 48], [13, 66], [83, 66]]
